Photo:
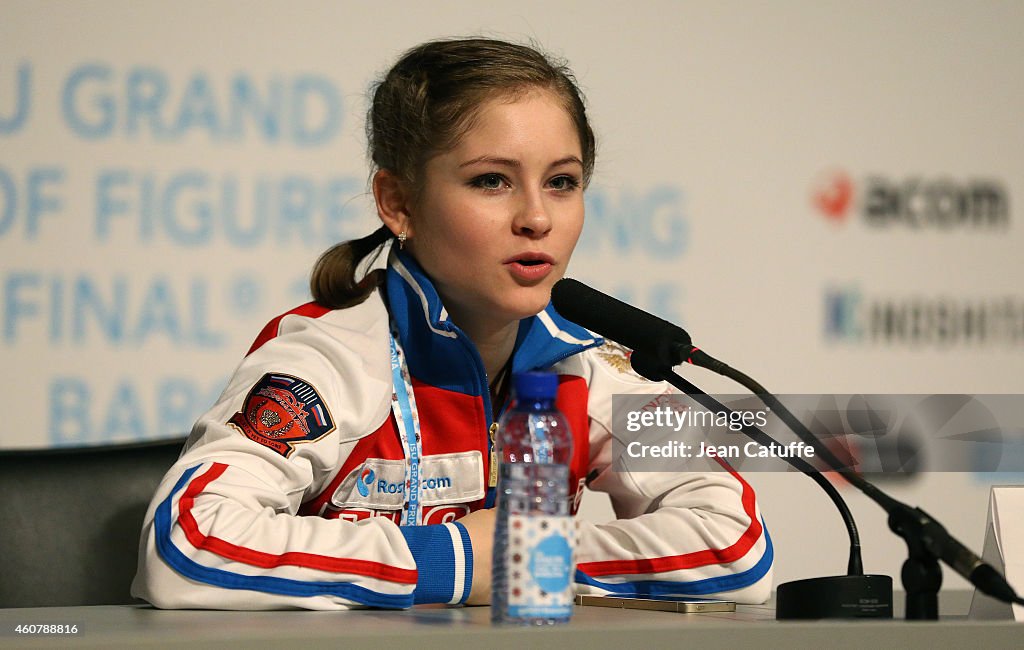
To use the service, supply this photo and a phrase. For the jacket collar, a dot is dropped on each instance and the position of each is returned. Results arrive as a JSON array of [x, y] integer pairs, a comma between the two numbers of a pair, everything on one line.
[[440, 354]]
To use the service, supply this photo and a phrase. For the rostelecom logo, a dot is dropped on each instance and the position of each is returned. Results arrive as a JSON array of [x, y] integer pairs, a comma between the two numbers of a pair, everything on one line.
[[912, 203], [365, 480]]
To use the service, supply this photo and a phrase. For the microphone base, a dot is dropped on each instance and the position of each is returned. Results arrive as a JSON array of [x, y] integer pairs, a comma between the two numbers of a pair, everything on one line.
[[862, 596]]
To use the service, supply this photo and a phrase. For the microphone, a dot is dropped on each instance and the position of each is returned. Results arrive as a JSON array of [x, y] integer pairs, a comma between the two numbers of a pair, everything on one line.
[[614, 319]]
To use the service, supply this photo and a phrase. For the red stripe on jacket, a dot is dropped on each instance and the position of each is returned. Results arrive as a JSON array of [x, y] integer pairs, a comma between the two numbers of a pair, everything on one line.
[[272, 329], [269, 560], [688, 560]]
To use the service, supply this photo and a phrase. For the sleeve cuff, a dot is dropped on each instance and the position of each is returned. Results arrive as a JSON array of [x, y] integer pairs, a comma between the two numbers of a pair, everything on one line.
[[444, 562]]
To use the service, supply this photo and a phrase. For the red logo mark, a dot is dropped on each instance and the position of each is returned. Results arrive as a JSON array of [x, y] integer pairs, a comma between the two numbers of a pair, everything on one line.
[[832, 195]]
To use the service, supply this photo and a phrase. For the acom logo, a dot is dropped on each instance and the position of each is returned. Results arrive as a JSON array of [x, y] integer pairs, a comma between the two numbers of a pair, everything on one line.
[[913, 202]]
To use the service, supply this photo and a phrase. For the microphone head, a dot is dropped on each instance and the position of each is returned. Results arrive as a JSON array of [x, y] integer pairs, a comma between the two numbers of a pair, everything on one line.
[[573, 299], [618, 321]]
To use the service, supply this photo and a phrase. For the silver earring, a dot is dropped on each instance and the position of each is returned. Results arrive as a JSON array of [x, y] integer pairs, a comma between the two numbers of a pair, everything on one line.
[[401, 240]]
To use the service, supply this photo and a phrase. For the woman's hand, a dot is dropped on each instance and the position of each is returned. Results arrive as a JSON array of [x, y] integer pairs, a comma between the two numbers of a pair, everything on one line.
[[480, 526]]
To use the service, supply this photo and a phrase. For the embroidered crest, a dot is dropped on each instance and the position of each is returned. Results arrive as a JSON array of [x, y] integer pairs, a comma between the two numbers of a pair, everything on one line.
[[616, 356], [281, 411]]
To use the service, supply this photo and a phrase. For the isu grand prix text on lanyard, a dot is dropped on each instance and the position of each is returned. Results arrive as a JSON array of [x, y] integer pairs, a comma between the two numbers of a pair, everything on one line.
[[403, 405]]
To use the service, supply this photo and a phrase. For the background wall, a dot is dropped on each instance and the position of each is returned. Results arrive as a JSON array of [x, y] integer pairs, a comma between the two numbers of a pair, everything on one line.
[[825, 194]]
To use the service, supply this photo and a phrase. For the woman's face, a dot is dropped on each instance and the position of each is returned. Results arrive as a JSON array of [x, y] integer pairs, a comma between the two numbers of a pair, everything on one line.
[[499, 215]]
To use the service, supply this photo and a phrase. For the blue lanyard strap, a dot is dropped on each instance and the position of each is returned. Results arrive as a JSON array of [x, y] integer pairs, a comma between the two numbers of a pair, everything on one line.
[[403, 405]]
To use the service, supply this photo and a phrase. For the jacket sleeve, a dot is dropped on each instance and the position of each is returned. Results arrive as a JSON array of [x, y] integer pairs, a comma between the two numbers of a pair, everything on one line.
[[223, 530], [696, 533]]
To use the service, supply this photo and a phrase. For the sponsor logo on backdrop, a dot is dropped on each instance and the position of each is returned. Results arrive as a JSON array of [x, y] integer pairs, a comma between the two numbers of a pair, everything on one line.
[[854, 316], [933, 203]]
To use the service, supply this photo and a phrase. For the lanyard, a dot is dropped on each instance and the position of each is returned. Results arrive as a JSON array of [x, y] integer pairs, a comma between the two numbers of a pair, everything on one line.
[[403, 405]]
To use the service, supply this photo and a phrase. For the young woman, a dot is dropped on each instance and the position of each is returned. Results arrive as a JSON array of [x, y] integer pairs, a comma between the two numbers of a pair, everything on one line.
[[349, 462]]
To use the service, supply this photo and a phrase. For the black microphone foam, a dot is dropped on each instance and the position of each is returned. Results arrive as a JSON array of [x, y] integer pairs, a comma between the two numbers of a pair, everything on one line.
[[620, 322]]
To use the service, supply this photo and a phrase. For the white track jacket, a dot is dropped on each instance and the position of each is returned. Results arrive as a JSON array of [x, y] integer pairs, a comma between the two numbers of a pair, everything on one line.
[[292, 490]]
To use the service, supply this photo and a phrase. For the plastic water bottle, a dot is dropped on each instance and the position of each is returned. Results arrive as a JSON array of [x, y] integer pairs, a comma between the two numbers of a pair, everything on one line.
[[532, 571]]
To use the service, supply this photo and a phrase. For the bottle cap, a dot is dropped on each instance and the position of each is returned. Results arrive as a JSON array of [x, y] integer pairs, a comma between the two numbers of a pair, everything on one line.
[[536, 385]]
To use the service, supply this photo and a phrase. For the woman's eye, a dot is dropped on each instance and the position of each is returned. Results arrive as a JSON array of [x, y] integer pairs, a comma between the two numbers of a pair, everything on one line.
[[564, 183], [489, 182]]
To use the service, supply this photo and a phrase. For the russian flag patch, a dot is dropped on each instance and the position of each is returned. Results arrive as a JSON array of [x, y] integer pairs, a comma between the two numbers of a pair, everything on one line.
[[281, 411]]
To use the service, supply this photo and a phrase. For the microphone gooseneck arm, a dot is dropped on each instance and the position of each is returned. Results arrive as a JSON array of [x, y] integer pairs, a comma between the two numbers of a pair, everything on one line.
[[927, 540]]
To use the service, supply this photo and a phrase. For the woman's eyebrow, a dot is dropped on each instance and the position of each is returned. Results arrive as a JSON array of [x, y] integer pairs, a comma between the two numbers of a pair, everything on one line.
[[567, 160], [494, 160], [510, 162]]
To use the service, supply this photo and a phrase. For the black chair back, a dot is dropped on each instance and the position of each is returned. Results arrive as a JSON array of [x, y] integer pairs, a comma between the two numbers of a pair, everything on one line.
[[70, 521]]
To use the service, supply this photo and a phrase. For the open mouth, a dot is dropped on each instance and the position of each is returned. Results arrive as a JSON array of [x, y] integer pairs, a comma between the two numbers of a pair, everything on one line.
[[530, 258], [531, 267]]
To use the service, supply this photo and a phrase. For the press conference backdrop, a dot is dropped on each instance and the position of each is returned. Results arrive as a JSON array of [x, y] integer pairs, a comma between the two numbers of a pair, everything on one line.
[[827, 195]]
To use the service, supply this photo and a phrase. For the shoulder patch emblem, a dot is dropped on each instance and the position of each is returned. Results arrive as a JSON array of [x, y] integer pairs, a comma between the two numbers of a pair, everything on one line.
[[616, 356], [281, 411]]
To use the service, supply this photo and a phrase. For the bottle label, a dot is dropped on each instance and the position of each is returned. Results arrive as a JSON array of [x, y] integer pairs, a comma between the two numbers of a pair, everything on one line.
[[540, 565]]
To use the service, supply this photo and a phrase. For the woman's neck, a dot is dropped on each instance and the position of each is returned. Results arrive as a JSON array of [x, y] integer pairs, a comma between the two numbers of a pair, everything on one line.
[[494, 341], [495, 347]]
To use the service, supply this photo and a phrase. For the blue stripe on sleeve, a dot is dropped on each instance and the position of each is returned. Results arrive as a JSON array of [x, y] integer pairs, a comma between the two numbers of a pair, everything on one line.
[[467, 547], [432, 549], [269, 584]]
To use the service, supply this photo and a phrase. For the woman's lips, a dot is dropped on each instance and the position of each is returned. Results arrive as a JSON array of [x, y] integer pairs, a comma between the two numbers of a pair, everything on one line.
[[530, 267]]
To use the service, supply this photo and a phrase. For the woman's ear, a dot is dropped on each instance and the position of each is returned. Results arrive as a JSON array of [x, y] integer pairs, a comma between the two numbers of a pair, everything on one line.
[[392, 198]]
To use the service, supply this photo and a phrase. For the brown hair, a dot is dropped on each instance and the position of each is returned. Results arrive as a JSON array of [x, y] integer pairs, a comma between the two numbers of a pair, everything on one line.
[[423, 105]]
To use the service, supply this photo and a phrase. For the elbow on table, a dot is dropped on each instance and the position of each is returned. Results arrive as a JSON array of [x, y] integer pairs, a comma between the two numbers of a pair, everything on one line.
[[755, 593]]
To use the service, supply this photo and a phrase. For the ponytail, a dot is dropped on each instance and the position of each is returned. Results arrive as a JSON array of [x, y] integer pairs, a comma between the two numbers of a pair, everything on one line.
[[333, 280]]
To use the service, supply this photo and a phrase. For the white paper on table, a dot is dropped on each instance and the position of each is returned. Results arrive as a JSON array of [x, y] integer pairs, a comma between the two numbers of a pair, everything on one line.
[[1003, 549]]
